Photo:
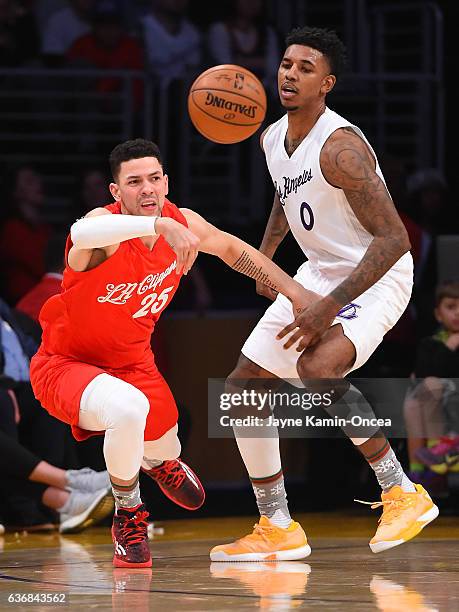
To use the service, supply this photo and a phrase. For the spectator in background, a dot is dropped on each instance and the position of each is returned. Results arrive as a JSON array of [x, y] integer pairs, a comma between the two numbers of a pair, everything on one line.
[[420, 238], [93, 190], [80, 497], [244, 38], [430, 207], [28, 426], [50, 284], [24, 234], [399, 345], [63, 28], [43, 9], [172, 43], [107, 46], [432, 408], [19, 39]]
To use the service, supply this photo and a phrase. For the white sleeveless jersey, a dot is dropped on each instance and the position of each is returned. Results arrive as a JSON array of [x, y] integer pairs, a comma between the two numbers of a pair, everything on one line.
[[319, 215]]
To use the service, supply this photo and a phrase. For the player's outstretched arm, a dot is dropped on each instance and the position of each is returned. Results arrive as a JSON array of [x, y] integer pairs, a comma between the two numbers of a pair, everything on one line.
[[100, 229], [246, 259]]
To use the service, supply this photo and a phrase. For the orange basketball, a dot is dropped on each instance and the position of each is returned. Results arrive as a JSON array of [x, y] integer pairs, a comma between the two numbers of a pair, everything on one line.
[[227, 103]]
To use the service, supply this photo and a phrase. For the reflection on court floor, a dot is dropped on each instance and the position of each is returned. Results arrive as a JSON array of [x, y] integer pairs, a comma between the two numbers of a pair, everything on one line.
[[341, 573]]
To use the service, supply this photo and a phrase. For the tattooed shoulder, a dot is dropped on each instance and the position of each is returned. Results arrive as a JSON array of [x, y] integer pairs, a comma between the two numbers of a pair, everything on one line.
[[345, 159]]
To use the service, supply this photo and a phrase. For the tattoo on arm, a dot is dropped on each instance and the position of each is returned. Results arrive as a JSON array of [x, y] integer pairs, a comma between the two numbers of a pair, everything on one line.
[[347, 163], [245, 265]]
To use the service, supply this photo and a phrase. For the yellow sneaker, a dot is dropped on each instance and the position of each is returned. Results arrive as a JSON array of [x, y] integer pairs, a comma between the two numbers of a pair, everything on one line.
[[266, 543], [404, 515]]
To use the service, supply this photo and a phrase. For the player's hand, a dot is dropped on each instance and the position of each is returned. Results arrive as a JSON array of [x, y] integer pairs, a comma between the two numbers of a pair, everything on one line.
[[301, 298], [310, 324], [266, 291], [181, 240]]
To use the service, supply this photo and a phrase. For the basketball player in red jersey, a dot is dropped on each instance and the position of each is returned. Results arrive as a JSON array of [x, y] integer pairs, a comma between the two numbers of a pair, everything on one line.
[[95, 369]]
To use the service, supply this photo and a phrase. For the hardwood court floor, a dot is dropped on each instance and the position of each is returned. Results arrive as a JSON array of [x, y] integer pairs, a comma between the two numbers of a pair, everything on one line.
[[341, 574]]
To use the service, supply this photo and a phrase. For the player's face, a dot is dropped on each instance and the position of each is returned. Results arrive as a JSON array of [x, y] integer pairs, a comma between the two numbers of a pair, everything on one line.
[[142, 187], [447, 313], [303, 77]]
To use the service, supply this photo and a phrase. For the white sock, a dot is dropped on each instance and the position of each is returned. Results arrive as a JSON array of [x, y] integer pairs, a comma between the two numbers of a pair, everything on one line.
[[280, 519], [407, 485]]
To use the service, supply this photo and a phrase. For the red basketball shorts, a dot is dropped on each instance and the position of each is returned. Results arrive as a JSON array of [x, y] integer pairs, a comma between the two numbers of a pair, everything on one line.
[[58, 383]]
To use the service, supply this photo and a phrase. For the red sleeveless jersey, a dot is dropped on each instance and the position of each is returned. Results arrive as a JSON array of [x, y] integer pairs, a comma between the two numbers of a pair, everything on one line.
[[105, 316]]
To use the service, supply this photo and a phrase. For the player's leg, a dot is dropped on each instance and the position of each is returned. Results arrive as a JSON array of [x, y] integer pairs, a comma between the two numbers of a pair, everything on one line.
[[261, 454], [325, 364], [162, 463], [120, 409], [407, 507], [264, 362], [276, 536], [161, 449]]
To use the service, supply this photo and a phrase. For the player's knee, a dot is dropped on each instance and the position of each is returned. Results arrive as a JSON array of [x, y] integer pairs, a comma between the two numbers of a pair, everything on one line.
[[130, 408], [309, 368]]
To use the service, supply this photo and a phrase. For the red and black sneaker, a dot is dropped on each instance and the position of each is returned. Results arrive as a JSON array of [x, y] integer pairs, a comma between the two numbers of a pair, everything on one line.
[[130, 537], [179, 483]]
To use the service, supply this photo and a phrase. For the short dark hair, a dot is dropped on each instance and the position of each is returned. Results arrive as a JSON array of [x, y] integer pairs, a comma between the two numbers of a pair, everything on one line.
[[132, 149], [446, 289], [325, 41]]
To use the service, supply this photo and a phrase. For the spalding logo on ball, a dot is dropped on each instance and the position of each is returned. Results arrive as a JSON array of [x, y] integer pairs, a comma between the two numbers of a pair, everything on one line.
[[227, 104]]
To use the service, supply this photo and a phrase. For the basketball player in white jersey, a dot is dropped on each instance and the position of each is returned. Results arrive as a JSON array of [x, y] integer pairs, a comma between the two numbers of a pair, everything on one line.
[[330, 193]]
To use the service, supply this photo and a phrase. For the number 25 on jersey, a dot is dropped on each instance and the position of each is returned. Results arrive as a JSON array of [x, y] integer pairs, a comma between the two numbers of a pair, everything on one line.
[[153, 303]]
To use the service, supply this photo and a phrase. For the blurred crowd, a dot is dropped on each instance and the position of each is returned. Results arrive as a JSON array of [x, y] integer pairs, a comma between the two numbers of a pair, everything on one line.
[[159, 36]]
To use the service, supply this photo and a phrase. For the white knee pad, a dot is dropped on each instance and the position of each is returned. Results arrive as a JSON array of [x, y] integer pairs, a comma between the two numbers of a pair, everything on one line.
[[129, 410], [108, 401], [121, 410], [165, 448]]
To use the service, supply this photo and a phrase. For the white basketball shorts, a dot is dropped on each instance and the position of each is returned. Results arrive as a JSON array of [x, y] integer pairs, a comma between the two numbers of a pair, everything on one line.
[[364, 321]]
